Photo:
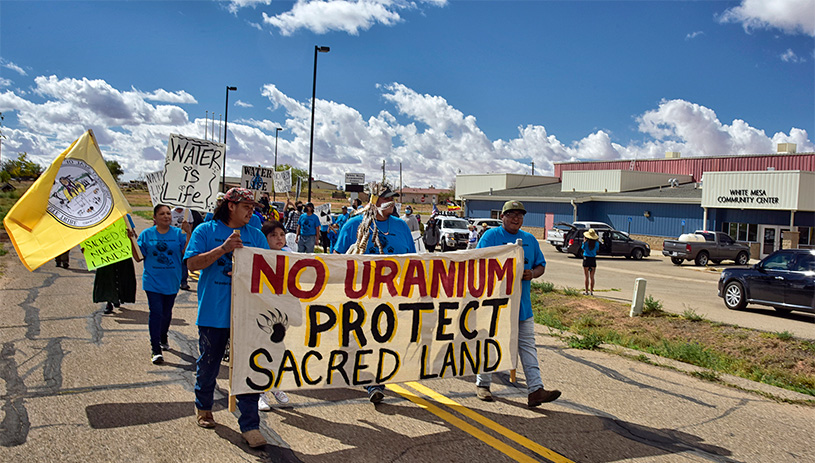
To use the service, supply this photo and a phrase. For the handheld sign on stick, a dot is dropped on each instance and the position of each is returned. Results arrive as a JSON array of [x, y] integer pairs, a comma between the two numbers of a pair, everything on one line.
[[136, 250]]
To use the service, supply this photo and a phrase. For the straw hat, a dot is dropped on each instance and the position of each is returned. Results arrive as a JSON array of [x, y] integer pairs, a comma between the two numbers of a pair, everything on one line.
[[591, 234]]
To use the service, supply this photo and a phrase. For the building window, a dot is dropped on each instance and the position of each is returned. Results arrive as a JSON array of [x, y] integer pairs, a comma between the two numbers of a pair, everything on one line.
[[807, 236], [745, 232]]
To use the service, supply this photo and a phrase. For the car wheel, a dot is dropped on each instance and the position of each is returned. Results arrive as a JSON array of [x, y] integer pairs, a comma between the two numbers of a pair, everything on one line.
[[636, 254], [559, 248], [444, 247], [734, 297], [702, 258], [677, 260], [742, 258]]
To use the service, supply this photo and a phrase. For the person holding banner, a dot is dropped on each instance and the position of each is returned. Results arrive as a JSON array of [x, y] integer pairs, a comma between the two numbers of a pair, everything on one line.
[[115, 283], [394, 238], [163, 247], [210, 250], [512, 218]]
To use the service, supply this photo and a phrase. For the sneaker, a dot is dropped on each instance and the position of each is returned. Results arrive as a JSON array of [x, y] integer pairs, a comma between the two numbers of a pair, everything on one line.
[[263, 403], [254, 438], [541, 396], [185, 287], [483, 393], [157, 359], [205, 418], [376, 395], [109, 308], [65, 265], [164, 346], [281, 397], [226, 353]]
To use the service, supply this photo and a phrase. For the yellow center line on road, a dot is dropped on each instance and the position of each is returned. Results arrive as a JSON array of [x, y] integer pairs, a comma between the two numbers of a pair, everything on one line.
[[508, 433], [512, 452]]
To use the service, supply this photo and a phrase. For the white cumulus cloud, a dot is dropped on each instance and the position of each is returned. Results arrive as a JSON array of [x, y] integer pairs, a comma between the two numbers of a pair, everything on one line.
[[243, 104], [431, 139], [351, 16], [9, 65], [789, 56], [790, 16], [235, 5]]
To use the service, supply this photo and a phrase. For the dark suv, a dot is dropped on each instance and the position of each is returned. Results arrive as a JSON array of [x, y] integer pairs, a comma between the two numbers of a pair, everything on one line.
[[784, 280]]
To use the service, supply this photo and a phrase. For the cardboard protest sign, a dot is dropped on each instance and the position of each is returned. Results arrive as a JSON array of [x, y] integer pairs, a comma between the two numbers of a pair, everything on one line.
[[257, 178], [303, 321], [155, 185], [108, 246], [191, 172], [282, 181], [323, 212]]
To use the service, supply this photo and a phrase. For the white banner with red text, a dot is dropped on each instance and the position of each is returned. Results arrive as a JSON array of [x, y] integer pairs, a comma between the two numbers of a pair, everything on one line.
[[311, 321]]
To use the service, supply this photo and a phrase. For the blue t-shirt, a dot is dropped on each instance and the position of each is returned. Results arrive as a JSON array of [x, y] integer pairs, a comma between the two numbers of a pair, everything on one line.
[[394, 235], [341, 219], [533, 257], [309, 224], [162, 259], [215, 283], [589, 252]]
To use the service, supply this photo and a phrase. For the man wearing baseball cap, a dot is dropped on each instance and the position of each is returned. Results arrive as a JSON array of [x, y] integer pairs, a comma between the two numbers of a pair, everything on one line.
[[210, 250], [512, 218]]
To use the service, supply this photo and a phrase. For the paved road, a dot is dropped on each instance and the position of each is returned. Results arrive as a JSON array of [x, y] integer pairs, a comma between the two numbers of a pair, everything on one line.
[[678, 287], [77, 386]]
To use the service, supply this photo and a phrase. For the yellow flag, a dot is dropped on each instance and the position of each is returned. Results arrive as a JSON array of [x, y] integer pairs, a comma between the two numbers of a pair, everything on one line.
[[74, 199]]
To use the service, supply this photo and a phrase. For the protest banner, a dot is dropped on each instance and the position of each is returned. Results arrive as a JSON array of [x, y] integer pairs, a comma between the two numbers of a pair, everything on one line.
[[282, 181], [155, 185], [108, 246], [257, 178], [323, 212], [320, 321], [191, 172]]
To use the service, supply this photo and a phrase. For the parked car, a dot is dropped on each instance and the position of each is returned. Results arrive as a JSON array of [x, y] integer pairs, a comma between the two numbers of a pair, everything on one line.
[[784, 280], [485, 223], [612, 243], [555, 236], [703, 247], [454, 233]]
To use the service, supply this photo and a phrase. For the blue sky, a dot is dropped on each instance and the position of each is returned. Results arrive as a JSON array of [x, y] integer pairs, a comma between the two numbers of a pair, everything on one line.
[[441, 86]]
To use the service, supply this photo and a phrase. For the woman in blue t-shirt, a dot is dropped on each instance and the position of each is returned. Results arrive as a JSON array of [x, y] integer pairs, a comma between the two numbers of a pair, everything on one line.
[[589, 247], [163, 248]]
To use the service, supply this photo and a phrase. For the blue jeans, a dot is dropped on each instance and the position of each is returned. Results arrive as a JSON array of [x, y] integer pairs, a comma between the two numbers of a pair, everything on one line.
[[212, 344], [161, 314], [529, 358], [306, 243]]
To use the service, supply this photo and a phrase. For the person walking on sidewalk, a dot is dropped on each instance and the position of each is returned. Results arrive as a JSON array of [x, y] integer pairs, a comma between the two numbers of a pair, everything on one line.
[[589, 248], [512, 218], [210, 250], [162, 246]]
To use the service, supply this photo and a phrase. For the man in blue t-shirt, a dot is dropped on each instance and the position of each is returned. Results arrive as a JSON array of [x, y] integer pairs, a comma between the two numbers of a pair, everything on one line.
[[512, 218], [394, 237], [342, 218], [308, 230], [210, 250]]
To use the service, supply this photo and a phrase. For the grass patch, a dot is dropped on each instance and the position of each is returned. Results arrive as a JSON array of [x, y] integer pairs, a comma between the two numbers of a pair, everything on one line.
[[3, 251], [543, 286], [569, 291], [707, 375], [778, 359], [144, 214], [589, 341], [691, 315]]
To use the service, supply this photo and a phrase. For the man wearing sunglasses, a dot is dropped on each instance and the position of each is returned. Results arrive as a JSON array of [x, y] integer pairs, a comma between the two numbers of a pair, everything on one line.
[[512, 218]]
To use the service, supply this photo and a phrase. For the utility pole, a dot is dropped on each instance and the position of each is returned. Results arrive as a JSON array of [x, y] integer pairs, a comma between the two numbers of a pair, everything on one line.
[[383, 171]]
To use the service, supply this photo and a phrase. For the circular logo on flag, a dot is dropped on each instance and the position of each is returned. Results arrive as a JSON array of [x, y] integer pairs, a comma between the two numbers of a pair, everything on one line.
[[79, 198]]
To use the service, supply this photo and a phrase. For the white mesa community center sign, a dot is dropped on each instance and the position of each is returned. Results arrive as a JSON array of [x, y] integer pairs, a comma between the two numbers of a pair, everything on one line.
[[79, 198], [305, 321]]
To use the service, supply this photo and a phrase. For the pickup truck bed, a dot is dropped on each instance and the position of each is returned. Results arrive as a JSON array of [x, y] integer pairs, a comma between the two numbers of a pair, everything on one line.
[[715, 248]]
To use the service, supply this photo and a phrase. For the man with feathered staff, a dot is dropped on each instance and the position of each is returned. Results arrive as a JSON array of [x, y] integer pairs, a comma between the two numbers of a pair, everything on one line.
[[374, 230]]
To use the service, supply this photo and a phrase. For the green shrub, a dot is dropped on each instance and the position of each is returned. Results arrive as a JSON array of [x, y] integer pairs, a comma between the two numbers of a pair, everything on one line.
[[589, 341], [651, 305], [690, 314], [543, 286], [569, 291]]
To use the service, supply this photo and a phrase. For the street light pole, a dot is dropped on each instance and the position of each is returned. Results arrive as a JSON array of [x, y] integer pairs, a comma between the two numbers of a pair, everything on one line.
[[226, 116], [274, 189], [317, 49]]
